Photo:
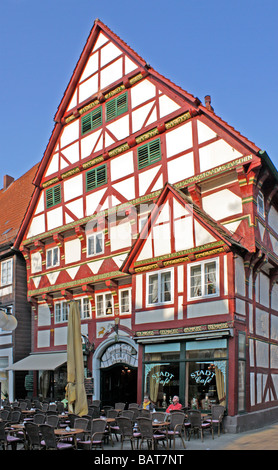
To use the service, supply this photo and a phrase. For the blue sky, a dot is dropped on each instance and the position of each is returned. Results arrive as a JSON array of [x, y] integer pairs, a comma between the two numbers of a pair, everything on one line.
[[227, 49]]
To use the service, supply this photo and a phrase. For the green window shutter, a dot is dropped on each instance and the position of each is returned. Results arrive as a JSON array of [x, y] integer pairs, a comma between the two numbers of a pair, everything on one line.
[[53, 196], [96, 177], [116, 107], [149, 153], [91, 121]]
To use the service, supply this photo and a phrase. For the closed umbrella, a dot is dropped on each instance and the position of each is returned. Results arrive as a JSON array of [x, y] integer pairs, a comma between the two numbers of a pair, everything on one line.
[[75, 390]]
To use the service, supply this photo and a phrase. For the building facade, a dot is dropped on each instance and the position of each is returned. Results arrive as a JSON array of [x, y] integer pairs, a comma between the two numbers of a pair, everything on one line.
[[161, 220]]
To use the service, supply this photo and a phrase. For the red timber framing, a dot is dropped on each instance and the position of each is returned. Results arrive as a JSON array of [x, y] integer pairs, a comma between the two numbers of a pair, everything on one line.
[[93, 188]]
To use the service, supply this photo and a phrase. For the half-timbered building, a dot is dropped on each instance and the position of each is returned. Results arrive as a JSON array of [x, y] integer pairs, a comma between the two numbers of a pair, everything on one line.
[[160, 220]]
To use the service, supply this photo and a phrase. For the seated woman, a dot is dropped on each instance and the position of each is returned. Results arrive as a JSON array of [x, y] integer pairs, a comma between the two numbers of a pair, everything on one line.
[[147, 404]]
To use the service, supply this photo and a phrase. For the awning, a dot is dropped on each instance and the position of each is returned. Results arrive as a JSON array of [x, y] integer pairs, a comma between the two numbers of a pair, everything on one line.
[[46, 361]]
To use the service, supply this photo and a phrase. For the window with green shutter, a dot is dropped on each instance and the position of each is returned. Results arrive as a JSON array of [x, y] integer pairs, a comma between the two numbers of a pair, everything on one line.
[[91, 121], [96, 177], [53, 196], [149, 153], [116, 107]]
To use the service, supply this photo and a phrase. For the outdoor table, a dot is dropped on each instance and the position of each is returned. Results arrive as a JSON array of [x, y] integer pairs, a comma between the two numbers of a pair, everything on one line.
[[62, 432], [109, 421]]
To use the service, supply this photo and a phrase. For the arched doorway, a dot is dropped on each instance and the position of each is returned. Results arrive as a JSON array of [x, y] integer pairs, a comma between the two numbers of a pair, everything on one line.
[[115, 366], [118, 384]]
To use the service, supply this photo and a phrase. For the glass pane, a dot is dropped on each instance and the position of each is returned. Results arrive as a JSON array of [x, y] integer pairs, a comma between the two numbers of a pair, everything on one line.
[[57, 313], [49, 258], [241, 386], [195, 281], [166, 287], [108, 304], [206, 384], [99, 305], [153, 289], [55, 256], [161, 382], [241, 345], [91, 245], [210, 278], [125, 301], [99, 243], [86, 308]]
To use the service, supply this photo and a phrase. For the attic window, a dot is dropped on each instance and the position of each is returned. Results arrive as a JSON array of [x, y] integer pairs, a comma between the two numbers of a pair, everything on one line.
[[149, 153], [116, 107], [53, 196], [91, 121], [96, 177]]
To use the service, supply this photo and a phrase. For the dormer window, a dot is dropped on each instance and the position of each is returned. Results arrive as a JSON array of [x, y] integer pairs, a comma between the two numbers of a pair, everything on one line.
[[260, 204]]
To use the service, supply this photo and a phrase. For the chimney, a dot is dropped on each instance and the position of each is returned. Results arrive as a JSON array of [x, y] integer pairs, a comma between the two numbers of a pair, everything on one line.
[[207, 103], [7, 181]]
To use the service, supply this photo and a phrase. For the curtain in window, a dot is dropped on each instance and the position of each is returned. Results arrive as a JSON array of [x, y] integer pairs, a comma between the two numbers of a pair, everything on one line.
[[166, 286], [196, 282], [210, 278], [153, 289], [220, 373]]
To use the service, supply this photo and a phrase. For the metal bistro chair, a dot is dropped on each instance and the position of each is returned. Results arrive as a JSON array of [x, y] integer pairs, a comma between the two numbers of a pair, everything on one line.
[[96, 437], [127, 432], [176, 428], [158, 416], [196, 424], [119, 406], [133, 405], [33, 435], [217, 415], [38, 418], [147, 433], [50, 440], [6, 439], [52, 420]]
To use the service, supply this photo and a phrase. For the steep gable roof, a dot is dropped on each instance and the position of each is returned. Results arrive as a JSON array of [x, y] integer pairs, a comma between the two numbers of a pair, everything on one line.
[[14, 202], [209, 231]]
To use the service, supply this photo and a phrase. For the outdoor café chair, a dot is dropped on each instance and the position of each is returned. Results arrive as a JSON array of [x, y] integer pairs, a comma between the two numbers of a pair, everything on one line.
[[217, 415], [50, 441], [38, 418], [119, 406], [127, 432], [133, 405], [52, 420], [148, 434], [6, 439], [33, 436], [96, 437], [176, 428], [158, 416], [127, 414], [196, 424]]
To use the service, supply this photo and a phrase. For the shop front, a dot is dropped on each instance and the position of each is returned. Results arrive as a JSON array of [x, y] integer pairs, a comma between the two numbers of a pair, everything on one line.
[[195, 370]]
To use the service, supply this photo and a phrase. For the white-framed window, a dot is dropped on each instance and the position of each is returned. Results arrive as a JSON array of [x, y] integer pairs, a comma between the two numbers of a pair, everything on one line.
[[104, 304], [6, 272], [260, 204], [125, 301], [203, 279], [160, 287], [61, 311], [52, 257], [95, 244], [84, 307]]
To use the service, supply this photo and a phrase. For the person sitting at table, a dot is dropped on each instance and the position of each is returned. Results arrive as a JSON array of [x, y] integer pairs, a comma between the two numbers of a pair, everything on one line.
[[147, 404], [176, 405]]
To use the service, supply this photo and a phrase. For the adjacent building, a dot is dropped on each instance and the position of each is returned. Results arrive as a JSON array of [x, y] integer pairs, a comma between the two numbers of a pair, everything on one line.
[[161, 221]]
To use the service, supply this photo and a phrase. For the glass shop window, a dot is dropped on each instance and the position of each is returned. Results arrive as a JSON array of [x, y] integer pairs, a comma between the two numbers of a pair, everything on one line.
[[206, 374], [162, 373]]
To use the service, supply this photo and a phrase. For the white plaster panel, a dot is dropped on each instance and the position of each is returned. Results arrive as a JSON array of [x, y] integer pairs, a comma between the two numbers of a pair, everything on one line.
[[216, 154], [180, 307], [102, 39], [36, 262], [111, 73], [262, 323], [273, 218], [70, 133], [146, 251], [222, 204], [88, 143], [93, 201], [53, 166], [6, 291], [183, 231], [126, 188], [37, 226], [252, 389], [129, 65], [138, 291], [202, 236], [264, 290], [154, 316], [262, 354], [73, 187], [274, 327], [5, 339], [108, 53], [141, 92], [72, 153], [274, 243], [240, 307], [43, 315], [205, 309], [179, 139], [73, 101], [180, 168], [274, 297], [72, 251], [43, 339], [88, 88], [120, 236], [121, 166], [251, 353], [167, 106], [120, 127], [180, 279], [139, 116], [204, 132], [162, 239], [146, 178], [40, 205], [163, 214], [226, 287], [52, 277], [54, 218], [60, 336], [274, 356], [239, 276], [76, 207], [91, 67]]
